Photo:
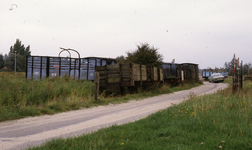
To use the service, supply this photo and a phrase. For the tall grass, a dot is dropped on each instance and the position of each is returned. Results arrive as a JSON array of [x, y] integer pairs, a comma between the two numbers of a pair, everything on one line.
[[218, 121], [20, 97]]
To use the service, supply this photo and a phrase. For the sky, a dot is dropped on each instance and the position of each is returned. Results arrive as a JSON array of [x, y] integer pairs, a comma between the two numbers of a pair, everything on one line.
[[206, 32]]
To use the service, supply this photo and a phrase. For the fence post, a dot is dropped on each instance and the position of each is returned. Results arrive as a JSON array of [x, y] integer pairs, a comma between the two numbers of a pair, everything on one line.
[[234, 82], [96, 90], [238, 71], [241, 73]]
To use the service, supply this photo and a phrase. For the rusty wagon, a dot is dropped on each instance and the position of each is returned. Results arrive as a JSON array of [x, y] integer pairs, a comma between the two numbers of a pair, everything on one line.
[[177, 73], [114, 77]]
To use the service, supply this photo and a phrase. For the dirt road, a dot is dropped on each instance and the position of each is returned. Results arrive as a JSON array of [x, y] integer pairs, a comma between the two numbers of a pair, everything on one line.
[[23, 133]]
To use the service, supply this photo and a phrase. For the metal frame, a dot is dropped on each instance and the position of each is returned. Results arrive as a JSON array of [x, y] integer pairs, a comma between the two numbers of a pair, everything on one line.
[[30, 65]]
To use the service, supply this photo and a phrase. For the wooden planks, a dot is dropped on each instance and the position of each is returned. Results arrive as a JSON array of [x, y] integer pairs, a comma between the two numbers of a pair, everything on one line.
[[128, 74], [161, 74], [155, 72], [139, 72], [112, 73], [136, 72], [144, 73], [102, 74]]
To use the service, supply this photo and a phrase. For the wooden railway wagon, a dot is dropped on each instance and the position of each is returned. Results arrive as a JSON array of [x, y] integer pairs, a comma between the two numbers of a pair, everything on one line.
[[114, 77], [176, 73], [190, 71]]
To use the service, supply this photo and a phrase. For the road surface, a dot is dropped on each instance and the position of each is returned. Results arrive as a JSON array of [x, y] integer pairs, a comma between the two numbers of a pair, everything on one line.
[[33, 131]]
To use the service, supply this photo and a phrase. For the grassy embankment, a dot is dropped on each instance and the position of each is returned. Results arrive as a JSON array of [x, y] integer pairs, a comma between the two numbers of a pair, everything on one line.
[[21, 98], [218, 121]]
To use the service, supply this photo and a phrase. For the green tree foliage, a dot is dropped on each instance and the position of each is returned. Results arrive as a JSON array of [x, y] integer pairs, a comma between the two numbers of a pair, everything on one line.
[[120, 59], [247, 69], [146, 55], [20, 62], [229, 67], [19, 51], [1, 61]]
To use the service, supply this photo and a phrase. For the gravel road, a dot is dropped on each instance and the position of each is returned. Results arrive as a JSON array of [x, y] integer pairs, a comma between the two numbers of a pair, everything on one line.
[[33, 131]]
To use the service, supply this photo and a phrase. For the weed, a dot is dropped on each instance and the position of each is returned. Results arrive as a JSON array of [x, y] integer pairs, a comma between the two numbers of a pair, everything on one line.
[[20, 97], [218, 121]]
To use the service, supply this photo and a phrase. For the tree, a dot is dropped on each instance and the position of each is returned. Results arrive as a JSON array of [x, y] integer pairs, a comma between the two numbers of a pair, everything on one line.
[[229, 66], [1, 61], [120, 59], [10, 62], [5, 56], [146, 55], [19, 51], [246, 69]]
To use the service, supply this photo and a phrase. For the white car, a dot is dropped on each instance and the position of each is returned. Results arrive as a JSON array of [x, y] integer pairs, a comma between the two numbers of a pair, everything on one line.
[[216, 77]]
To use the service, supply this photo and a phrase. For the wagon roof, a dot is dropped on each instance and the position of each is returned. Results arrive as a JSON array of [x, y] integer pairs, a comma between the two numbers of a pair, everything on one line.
[[75, 58], [181, 63], [100, 58]]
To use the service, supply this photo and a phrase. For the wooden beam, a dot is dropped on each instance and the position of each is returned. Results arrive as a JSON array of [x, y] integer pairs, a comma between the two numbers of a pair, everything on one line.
[[97, 80]]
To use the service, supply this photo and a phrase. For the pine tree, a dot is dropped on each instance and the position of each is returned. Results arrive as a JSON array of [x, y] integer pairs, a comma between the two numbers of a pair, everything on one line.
[[18, 51]]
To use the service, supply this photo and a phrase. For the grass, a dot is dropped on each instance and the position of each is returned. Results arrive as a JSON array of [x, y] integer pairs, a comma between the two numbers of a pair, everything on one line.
[[218, 121], [21, 98]]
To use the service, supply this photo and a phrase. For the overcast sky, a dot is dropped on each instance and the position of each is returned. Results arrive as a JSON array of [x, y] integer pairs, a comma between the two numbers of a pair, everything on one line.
[[206, 32]]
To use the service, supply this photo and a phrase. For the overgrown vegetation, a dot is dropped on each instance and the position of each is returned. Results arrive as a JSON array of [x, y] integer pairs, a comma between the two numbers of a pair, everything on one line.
[[144, 54], [218, 121], [17, 53], [20, 97]]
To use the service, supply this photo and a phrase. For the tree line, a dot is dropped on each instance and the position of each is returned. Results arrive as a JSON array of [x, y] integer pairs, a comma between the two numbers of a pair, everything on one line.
[[229, 67], [143, 54], [17, 52]]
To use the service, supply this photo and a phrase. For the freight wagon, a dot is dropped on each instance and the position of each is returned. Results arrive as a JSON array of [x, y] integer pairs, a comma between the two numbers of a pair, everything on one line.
[[114, 77], [176, 73], [206, 74], [38, 67]]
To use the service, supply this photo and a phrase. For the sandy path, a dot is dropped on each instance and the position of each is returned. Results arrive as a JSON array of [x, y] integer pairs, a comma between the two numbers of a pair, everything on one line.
[[23, 133]]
